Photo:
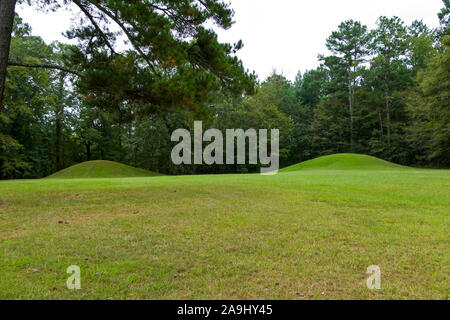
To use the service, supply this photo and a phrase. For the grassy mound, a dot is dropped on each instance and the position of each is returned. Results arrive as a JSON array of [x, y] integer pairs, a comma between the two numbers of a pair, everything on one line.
[[344, 162], [101, 169]]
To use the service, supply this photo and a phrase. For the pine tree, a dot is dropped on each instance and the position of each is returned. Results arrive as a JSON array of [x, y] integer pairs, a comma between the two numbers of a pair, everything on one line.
[[350, 44]]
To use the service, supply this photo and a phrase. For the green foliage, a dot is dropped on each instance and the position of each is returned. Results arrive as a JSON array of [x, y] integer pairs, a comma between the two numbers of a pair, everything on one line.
[[23, 151], [429, 131], [174, 62], [421, 45], [444, 18], [329, 127], [311, 86]]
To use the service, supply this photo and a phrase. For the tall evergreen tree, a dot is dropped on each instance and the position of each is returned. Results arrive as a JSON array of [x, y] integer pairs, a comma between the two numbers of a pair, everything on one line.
[[350, 44], [389, 46], [174, 62], [444, 18]]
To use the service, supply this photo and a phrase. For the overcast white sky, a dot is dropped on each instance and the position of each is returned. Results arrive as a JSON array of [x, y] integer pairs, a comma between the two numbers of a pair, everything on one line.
[[285, 35]]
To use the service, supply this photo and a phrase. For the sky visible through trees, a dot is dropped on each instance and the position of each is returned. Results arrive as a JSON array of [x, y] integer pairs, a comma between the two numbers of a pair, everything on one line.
[[295, 29]]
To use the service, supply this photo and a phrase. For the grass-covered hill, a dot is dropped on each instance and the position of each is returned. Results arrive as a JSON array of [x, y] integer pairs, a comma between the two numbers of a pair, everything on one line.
[[345, 162], [101, 169]]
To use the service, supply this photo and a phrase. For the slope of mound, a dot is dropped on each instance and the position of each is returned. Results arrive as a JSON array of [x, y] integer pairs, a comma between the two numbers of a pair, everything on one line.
[[101, 169], [344, 162]]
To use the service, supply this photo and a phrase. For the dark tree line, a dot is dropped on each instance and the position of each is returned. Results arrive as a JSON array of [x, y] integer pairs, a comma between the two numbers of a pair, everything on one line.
[[383, 92]]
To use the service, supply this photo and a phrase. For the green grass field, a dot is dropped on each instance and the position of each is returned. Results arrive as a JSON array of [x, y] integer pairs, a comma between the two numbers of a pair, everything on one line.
[[302, 234]]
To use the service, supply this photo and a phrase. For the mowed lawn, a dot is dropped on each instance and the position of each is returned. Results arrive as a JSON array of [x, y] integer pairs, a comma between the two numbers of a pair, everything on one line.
[[296, 235]]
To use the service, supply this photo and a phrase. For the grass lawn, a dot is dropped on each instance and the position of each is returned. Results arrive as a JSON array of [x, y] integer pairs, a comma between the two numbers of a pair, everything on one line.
[[307, 234]]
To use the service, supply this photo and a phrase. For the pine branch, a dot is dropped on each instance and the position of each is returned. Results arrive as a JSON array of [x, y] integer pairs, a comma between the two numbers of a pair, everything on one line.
[[94, 23], [43, 66]]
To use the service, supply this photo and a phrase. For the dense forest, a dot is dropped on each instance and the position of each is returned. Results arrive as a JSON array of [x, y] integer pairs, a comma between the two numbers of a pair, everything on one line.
[[382, 92]]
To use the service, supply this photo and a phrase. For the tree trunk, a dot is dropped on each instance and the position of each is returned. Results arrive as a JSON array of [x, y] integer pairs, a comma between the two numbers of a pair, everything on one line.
[[7, 8], [380, 120], [350, 103], [58, 143], [59, 114], [388, 112], [88, 150]]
